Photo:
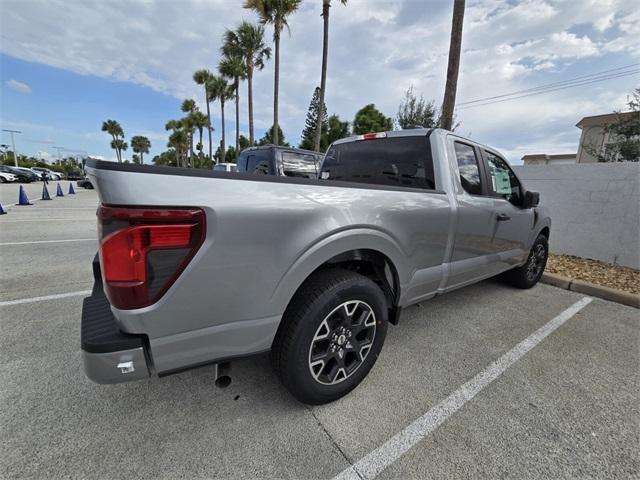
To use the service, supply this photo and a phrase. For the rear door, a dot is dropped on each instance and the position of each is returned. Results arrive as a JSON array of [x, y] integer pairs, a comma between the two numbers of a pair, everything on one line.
[[475, 254]]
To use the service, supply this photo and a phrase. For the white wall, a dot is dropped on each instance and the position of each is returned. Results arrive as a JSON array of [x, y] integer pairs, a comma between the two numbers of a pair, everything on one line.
[[595, 208]]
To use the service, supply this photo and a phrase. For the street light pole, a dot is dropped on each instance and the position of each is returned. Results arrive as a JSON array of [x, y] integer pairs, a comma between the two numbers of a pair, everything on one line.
[[15, 154]]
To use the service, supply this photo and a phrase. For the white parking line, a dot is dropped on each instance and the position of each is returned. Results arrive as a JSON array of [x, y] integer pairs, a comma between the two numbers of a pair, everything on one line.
[[6, 244], [375, 462], [47, 297]]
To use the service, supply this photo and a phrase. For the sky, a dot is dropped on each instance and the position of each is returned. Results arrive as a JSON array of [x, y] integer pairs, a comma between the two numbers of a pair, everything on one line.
[[67, 65]]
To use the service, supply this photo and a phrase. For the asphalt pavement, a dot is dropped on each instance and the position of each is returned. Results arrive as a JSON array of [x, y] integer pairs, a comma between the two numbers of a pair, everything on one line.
[[567, 408]]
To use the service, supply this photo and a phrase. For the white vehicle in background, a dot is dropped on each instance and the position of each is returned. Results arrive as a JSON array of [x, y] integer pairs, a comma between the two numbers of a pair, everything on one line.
[[225, 167], [51, 175], [6, 177]]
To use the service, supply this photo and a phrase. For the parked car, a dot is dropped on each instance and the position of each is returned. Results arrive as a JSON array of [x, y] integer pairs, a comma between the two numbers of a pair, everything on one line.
[[51, 175], [312, 269], [6, 176], [15, 172], [85, 183], [280, 161], [225, 167], [25, 174]]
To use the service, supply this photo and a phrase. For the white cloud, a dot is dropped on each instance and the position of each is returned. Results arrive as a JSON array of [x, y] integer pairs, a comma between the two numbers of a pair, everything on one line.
[[18, 86]]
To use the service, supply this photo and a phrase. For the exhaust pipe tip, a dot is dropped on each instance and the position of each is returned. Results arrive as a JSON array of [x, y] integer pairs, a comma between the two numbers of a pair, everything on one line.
[[221, 374], [223, 381]]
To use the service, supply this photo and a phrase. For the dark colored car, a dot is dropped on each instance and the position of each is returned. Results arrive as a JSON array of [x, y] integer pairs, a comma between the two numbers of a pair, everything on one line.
[[75, 175], [280, 161], [24, 175], [85, 183]]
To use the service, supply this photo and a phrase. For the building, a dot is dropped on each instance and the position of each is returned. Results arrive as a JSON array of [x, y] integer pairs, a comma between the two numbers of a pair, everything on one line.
[[593, 138], [594, 134], [544, 159]]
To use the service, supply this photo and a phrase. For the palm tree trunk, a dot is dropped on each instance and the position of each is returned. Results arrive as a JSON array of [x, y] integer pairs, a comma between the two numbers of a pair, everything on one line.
[[206, 94], [200, 136], [276, 83], [141, 160], [250, 95], [224, 148], [454, 64], [326, 4], [237, 85]]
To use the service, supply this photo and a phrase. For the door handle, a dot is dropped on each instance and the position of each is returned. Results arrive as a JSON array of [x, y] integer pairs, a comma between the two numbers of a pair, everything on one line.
[[503, 217]]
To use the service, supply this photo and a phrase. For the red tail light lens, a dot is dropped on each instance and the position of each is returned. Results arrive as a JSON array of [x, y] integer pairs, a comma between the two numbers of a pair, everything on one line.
[[144, 250]]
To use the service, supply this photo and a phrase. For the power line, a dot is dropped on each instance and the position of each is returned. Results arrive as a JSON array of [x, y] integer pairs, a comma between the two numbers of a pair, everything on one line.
[[548, 90], [590, 76]]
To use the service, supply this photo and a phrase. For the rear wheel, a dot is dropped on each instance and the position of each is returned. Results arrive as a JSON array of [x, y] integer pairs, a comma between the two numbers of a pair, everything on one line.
[[330, 335], [3, 180], [529, 274]]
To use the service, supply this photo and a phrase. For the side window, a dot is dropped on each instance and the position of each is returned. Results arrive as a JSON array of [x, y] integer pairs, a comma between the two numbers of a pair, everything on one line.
[[242, 162], [469, 169], [258, 164], [503, 181]]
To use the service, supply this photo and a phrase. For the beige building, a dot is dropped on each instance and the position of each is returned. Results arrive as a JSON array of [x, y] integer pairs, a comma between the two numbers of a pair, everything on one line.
[[593, 138]]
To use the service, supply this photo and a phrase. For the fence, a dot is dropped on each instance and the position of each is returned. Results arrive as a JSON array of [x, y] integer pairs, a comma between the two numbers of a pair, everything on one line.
[[595, 208]]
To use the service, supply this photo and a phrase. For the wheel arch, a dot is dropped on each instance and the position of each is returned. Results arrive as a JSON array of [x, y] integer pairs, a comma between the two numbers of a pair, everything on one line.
[[372, 253]]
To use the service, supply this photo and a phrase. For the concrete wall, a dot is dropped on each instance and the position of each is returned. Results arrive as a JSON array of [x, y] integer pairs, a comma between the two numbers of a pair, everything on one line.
[[595, 208]]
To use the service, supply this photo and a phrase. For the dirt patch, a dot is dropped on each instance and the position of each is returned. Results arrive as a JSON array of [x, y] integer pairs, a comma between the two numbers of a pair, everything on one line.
[[593, 271]]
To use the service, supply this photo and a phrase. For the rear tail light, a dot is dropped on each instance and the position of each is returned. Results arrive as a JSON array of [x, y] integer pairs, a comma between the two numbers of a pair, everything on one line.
[[144, 250]]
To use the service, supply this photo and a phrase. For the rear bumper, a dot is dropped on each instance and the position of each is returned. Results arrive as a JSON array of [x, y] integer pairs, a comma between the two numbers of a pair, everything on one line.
[[109, 356]]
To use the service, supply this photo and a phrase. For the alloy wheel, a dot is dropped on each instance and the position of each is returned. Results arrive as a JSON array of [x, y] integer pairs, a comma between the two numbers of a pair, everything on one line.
[[342, 342]]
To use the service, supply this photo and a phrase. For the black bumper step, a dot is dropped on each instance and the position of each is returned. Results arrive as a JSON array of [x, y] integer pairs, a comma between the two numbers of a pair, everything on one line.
[[99, 332]]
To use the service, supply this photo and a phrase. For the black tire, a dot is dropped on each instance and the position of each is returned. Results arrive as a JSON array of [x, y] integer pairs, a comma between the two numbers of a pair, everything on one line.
[[2, 180], [325, 299], [529, 274]]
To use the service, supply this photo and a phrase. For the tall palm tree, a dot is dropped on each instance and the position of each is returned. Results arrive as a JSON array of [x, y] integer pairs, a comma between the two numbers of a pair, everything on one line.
[[202, 77], [247, 41], [140, 145], [114, 129], [222, 91], [232, 67], [200, 121], [274, 12], [326, 5], [455, 46]]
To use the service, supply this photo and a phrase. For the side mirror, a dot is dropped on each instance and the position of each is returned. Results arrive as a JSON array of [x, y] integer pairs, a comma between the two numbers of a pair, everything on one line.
[[531, 199]]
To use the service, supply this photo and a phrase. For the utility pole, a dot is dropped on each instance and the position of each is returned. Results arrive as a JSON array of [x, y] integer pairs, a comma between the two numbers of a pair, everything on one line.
[[13, 143], [454, 64]]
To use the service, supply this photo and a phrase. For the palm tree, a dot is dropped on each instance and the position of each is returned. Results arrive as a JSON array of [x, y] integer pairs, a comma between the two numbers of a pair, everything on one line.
[[222, 91], [274, 12], [232, 67], [202, 77], [189, 106], [178, 139], [247, 41], [119, 145], [141, 145], [199, 121], [326, 5], [455, 45], [114, 129]]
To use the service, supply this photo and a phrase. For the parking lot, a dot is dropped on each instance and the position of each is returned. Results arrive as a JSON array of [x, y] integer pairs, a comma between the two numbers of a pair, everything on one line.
[[564, 405]]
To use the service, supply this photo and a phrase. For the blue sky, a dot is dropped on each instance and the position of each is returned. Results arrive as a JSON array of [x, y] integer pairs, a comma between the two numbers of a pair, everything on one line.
[[68, 65]]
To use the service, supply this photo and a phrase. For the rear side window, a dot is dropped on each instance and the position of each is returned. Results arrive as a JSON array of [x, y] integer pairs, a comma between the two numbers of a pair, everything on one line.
[[469, 169], [256, 161], [395, 161], [299, 165]]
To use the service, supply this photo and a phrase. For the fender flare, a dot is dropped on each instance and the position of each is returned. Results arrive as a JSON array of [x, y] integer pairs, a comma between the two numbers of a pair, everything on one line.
[[331, 246]]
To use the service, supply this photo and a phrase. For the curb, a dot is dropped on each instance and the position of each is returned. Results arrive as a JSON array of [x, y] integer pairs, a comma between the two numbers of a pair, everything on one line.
[[580, 286]]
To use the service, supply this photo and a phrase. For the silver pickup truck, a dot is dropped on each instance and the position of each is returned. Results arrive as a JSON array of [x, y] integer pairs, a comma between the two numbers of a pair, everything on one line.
[[198, 267]]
